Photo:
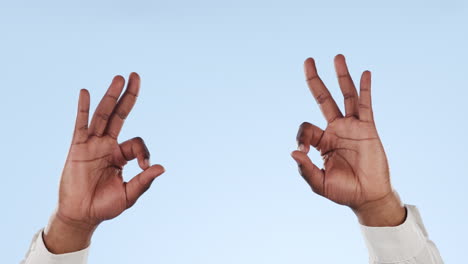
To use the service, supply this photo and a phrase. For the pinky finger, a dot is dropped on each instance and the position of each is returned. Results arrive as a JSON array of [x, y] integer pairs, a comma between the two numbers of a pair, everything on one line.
[[80, 134], [309, 171], [141, 183]]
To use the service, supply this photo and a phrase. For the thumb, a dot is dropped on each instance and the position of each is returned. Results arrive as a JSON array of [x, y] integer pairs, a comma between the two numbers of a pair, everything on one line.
[[141, 183], [309, 171]]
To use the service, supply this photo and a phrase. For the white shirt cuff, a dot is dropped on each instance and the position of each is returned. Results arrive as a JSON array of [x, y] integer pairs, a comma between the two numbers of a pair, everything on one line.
[[38, 253], [399, 243]]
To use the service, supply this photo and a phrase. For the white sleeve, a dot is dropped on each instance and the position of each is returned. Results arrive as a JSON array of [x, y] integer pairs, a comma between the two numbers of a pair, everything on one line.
[[38, 254], [407, 243]]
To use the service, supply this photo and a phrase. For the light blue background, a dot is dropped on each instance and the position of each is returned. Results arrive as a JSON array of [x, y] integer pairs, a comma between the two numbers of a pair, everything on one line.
[[223, 94]]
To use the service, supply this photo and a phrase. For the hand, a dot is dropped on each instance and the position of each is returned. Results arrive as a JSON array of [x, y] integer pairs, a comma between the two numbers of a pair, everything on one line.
[[356, 172], [92, 188]]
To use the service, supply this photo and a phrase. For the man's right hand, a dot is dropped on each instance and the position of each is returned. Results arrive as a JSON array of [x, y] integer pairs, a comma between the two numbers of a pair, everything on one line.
[[92, 188]]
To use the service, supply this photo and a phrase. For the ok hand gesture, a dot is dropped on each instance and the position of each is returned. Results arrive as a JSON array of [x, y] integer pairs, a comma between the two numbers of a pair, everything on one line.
[[92, 188], [356, 172]]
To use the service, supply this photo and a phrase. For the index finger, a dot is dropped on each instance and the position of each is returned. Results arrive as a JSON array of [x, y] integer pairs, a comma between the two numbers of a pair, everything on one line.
[[320, 92]]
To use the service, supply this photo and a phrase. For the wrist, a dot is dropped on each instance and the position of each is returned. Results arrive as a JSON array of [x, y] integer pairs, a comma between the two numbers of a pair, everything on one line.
[[63, 235], [387, 211]]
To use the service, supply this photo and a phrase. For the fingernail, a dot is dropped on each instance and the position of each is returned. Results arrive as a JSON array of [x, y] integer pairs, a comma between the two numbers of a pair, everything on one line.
[[301, 147], [146, 162]]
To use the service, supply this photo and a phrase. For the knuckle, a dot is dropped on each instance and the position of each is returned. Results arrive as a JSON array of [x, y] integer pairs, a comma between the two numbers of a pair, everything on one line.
[[138, 140], [364, 106], [349, 95], [140, 182], [103, 116], [134, 95], [304, 126], [112, 97], [322, 98], [121, 114], [346, 75], [351, 115], [301, 138], [112, 134], [311, 78]]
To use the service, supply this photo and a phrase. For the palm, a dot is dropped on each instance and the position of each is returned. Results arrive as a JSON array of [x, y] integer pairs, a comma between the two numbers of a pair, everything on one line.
[[92, 188], [92, 167], [355, 165], [109, 198], [355, 169]]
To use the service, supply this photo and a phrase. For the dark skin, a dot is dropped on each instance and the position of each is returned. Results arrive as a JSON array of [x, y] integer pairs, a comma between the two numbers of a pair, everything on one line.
[[355, 170], [92, 188]]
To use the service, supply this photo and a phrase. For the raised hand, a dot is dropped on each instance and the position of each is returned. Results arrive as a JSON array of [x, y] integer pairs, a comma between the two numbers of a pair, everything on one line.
[[92, 188], [355, 171]]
